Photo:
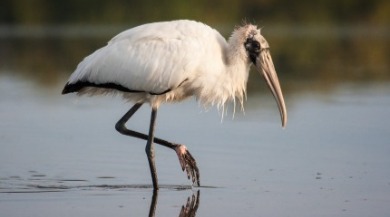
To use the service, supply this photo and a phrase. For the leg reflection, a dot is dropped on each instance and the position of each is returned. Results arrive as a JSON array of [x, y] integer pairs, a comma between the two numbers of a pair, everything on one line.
[[187, 210], [153, 204]]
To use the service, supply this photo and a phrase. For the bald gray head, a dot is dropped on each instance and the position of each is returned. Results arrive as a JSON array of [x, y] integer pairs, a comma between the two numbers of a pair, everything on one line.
[[257, 49]]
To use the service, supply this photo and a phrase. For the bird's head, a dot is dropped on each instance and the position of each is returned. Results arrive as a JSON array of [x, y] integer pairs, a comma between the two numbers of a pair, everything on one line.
[[257, 52]]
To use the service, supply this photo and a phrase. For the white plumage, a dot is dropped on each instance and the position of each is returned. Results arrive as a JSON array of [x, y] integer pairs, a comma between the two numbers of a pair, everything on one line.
[[157, 57], [170, 61]]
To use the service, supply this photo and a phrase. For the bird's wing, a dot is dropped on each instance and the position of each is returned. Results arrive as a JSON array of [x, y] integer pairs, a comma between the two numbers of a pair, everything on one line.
[[153, 58]]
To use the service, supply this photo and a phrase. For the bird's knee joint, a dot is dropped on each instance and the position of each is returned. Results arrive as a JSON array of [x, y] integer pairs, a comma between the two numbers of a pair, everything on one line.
[[120, 127]]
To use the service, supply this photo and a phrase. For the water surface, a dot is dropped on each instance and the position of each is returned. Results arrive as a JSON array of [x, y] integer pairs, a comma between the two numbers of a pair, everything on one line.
[[61, 156]]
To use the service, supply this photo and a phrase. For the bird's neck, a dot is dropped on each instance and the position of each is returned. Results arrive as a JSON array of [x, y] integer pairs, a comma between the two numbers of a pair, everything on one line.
[[231, 82], [228, 85], [236, 77]]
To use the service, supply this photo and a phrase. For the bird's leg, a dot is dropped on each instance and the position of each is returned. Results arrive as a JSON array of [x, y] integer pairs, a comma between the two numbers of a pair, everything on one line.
[[187, 162], [149, 149]]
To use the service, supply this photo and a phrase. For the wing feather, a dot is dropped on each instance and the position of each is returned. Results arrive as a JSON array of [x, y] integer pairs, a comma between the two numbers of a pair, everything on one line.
[[153, 58]]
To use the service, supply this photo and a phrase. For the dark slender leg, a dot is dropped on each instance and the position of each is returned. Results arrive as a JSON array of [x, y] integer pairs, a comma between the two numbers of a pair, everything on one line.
[[120, 127], [187, 162], [149, 149]]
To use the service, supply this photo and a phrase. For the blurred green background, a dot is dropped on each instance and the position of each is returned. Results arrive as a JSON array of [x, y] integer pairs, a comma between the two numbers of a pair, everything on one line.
[[318, 42]]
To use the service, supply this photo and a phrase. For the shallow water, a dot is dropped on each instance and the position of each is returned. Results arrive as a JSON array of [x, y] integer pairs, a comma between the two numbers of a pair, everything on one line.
[[61, 156]]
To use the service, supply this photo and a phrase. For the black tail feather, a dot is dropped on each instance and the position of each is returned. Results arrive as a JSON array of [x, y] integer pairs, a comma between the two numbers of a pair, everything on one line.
[[70, 88], [76, 87]]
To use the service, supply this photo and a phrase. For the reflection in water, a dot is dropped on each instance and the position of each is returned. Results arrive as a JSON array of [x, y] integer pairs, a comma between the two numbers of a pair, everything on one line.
[[191, 206], [153, 204], [187, 210], [40, 183]]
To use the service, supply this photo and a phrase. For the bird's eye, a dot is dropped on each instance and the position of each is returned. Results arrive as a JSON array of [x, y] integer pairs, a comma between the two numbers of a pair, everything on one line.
[[252, 46], [253, 49], [256, 44]]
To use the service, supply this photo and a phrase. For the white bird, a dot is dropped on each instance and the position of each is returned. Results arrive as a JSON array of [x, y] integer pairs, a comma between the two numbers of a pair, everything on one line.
[[170, 61]]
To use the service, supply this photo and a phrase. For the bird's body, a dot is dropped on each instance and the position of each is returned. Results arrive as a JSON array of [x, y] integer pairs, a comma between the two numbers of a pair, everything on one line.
[[170, 61], [163, 62]]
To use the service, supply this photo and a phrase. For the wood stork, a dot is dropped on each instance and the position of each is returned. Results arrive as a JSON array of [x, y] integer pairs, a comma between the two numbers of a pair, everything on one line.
[[170, 61]]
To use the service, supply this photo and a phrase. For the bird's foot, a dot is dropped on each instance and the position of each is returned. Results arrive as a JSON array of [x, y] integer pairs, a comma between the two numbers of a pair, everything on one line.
[[188, 163]]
